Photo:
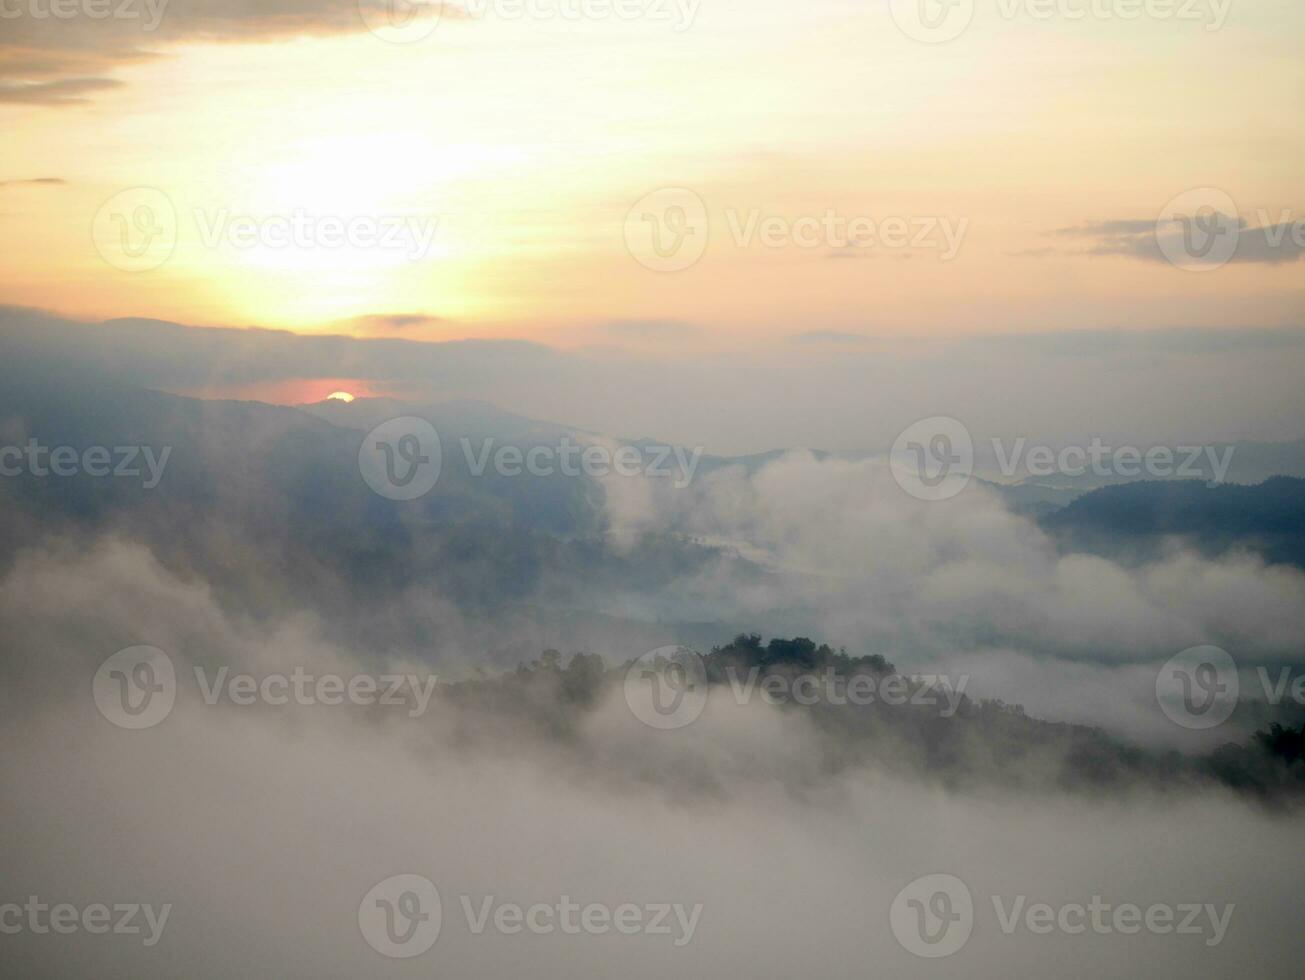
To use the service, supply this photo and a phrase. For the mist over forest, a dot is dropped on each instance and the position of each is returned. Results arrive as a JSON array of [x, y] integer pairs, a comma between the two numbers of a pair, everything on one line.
[[881, 688]]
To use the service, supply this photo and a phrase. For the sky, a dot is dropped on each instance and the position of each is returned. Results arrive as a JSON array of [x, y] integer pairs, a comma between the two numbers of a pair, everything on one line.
[[732, 225], [518, 174]]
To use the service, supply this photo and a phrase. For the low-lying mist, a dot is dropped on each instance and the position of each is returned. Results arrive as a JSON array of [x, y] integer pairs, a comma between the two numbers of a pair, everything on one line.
[[264, 826]]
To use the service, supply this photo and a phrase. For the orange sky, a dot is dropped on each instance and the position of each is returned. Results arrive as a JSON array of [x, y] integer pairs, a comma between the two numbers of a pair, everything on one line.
[[504, 158]]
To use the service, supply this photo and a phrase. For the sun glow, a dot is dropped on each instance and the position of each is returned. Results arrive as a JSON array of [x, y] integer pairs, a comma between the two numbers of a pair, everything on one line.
[[339, 396]]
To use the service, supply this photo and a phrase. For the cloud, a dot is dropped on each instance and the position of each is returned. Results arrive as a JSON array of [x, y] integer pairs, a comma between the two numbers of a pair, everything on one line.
[[733, 813], [1268, 244], [386, 324], [64, 92], [60, 49], [853, 558], [35, 182], [158, 354]]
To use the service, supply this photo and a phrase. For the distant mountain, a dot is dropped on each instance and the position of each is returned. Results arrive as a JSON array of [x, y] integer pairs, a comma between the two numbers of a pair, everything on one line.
[[267, 504], [1248, 463], [1134, 520]]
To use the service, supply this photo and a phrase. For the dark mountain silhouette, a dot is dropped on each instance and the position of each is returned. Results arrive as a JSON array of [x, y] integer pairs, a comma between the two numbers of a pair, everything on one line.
[[1134, 520]]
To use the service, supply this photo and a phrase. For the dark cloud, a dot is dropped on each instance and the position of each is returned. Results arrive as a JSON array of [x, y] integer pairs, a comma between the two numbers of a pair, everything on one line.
[[40, 57], [1137, 238]]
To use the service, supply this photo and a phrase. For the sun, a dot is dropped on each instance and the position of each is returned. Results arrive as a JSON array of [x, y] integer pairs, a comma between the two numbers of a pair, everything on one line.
[[339, 396]]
